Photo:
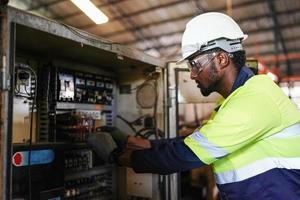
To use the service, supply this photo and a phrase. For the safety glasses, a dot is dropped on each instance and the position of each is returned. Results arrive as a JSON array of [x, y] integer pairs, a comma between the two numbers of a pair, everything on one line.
[[197, 63]]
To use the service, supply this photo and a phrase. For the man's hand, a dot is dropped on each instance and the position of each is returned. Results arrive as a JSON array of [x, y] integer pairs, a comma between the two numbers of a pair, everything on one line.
[[124, 140], [119, 137], [102, 144]]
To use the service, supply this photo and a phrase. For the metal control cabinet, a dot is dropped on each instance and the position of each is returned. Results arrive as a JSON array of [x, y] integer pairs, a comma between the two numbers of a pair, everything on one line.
[[117, 83]]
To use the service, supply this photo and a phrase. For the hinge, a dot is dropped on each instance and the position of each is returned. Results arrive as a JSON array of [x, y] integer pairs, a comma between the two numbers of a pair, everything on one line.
[[169, 102], [4, 76]]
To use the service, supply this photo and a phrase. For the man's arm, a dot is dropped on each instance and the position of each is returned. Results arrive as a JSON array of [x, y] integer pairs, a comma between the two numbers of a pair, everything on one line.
[[137, 143], [164, 156]]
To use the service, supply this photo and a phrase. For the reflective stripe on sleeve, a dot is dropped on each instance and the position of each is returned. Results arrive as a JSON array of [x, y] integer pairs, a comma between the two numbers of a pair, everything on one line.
[[290, 131], [257, 168], [215, 151]]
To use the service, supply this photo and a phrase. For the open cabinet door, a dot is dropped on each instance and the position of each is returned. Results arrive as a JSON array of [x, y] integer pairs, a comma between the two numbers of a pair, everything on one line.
[[187, 110]]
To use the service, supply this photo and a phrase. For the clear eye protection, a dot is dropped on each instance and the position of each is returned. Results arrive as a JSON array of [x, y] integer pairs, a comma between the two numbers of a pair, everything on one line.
[[198, 62]]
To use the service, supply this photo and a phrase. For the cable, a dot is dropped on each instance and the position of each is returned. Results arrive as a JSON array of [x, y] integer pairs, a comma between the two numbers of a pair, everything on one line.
[[26, 67], [21, 95], [78, 33], [17, 89], [157, 134], [42, 102], [30, 131], [141, 85], [26, 92], [129, 123], [147, 131]]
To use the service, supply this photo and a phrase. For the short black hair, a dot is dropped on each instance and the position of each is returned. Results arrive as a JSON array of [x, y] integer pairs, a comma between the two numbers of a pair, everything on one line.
[[238, 58]]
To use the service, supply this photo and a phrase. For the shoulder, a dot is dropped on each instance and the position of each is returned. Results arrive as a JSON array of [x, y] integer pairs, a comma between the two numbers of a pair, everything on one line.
[[252, 102], [256, 88]]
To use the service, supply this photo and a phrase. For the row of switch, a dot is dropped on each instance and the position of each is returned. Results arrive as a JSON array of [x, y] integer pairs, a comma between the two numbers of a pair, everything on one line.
[[77, 160], [100, 185]]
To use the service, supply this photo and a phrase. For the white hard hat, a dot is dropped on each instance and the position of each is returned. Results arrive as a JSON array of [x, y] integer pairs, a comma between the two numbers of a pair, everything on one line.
[[211, 30]]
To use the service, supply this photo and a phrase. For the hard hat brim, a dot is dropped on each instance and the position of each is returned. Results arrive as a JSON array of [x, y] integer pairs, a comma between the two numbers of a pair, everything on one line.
[[184, 58]]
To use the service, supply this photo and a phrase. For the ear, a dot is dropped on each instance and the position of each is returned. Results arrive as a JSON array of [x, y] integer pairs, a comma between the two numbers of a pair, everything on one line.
[[223, 59]]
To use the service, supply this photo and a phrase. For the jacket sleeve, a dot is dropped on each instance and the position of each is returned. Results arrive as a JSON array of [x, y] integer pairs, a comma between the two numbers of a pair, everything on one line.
[[165, 156]]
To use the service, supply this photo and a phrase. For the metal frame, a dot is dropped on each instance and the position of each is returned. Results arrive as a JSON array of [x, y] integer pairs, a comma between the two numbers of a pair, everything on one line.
[[278, 36], [177, 71], [185, 17], [172, 73], [7, 61], [162, 6], [253, 31], [10, 109], [82, 37], [127, 17], [265, 42]]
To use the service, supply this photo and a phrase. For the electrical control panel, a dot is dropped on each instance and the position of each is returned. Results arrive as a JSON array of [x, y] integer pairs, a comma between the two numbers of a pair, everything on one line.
[[63, 90]]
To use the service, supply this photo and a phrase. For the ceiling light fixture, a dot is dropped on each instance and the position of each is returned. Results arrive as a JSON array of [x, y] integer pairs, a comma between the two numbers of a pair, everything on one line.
[[91, 11]]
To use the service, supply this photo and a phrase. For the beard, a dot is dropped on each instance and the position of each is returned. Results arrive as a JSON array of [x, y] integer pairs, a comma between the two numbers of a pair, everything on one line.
[[213, 75]]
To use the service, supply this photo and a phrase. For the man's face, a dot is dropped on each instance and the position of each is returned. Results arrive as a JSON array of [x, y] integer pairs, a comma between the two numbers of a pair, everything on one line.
[[204, 71]]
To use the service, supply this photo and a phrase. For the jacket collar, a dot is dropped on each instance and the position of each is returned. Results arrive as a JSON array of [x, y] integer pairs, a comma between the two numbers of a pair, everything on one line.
[[244, 74]]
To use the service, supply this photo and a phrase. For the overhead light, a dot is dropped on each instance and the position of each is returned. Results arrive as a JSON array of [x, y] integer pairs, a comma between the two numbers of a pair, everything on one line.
[[91, 11]]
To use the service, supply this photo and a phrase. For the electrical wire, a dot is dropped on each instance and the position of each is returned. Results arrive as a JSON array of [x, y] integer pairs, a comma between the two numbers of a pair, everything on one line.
[[147, 132], [155, 110], [33, 96], [23, 96], [141, 85], [31, 127], [27, 94], [78, 33], [17, 89]]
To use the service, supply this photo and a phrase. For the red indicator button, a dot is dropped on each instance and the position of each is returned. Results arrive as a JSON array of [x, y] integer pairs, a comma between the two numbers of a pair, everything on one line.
[[17, 159]]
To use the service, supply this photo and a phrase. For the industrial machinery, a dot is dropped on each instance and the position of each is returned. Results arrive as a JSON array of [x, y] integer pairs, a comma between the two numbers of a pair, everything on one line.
[[60, 84]]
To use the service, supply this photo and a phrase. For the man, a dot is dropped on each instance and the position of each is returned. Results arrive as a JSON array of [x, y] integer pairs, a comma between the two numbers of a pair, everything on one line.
[[252, 143]]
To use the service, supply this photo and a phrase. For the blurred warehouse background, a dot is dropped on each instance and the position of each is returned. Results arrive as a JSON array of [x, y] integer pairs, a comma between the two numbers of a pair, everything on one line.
[[156, 26]]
